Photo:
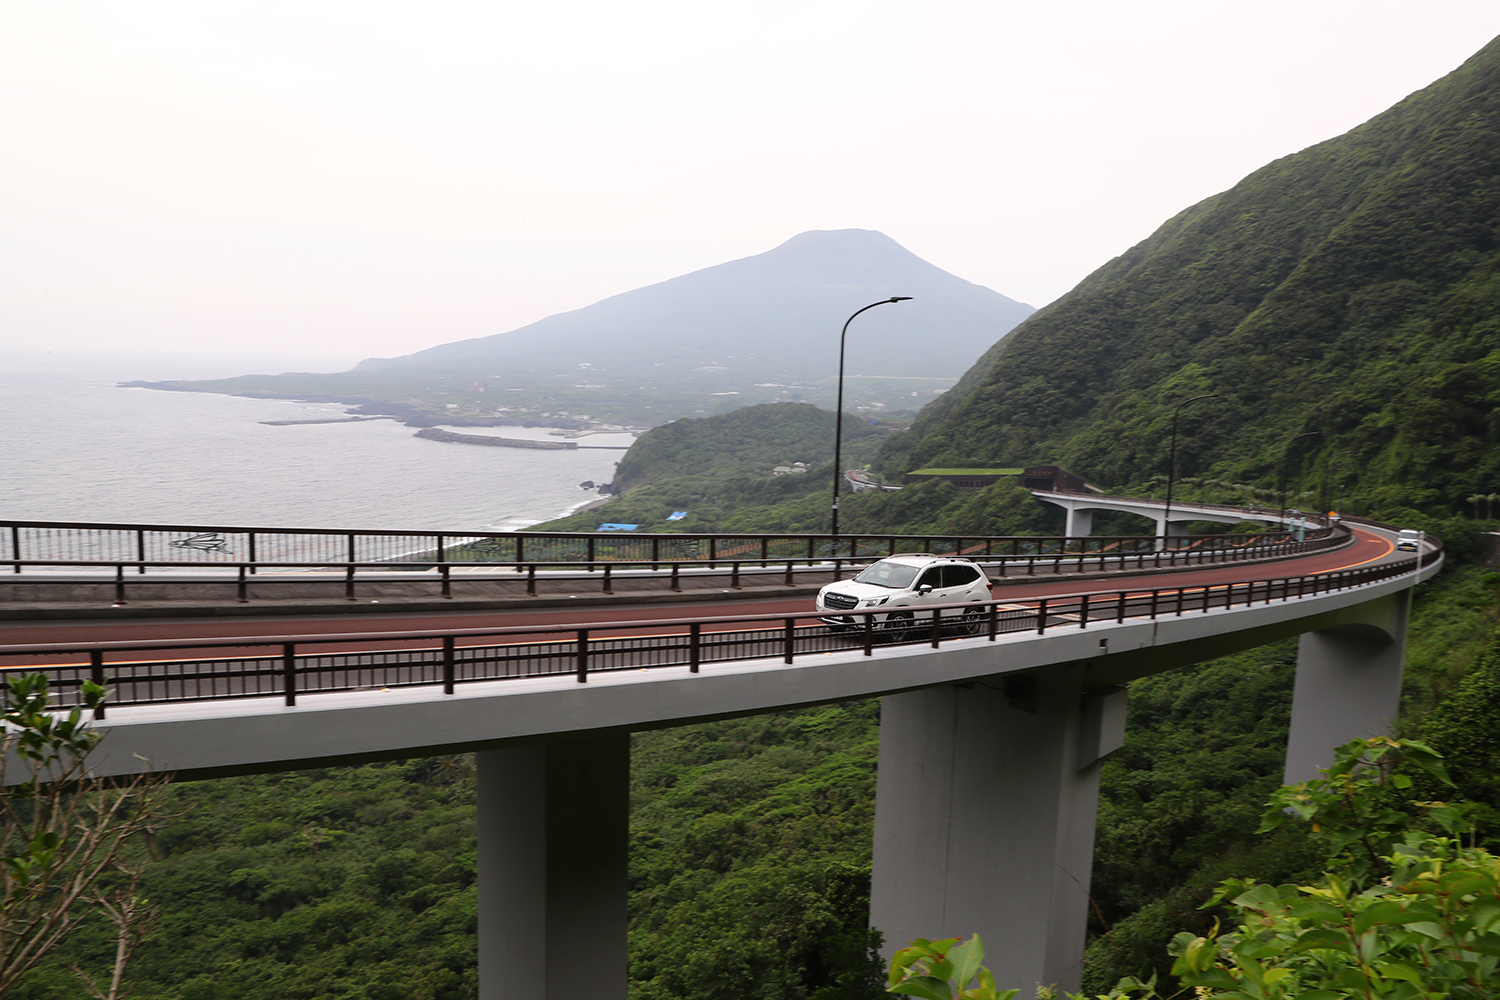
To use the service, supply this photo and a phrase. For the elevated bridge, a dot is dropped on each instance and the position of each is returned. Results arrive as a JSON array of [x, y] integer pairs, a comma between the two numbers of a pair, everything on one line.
[[1171, 524], [992, 730]]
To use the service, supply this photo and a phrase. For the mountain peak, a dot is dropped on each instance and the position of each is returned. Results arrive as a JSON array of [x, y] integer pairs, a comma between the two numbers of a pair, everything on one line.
[[824, 240], [766, 310]]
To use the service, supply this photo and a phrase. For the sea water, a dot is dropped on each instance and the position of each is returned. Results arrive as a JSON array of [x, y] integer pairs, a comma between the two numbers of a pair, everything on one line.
[[75, 446]]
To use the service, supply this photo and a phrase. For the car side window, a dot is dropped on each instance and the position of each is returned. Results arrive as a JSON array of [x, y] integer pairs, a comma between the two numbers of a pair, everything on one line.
[[932, 578], [958, 576]]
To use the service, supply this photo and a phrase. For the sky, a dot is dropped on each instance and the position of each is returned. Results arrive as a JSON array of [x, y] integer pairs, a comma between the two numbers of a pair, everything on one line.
[[329, 180]]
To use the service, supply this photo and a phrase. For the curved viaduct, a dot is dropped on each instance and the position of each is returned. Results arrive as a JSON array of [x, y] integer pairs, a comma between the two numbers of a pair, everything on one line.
[[1170, 523], [990, 744]]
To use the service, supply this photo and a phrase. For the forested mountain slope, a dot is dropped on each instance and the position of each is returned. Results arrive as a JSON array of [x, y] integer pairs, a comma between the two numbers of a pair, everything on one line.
[[1351, 289], [755, 438]]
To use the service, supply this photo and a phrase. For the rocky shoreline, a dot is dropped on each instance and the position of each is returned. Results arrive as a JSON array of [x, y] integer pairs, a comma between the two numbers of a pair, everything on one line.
[[438, 434]]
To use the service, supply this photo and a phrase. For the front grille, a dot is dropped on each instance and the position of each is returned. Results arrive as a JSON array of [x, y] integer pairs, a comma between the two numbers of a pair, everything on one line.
[[840, 602]]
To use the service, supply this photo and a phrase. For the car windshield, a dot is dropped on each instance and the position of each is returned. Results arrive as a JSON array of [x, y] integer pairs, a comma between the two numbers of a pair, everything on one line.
[[888, 574]]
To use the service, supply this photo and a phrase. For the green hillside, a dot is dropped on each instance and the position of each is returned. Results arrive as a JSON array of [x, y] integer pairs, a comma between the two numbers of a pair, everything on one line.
[[753, 439], [1351, 289], [719, 474]]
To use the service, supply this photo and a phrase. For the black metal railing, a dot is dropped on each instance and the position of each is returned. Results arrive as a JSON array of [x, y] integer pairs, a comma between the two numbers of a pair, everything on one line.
[[138, 550], [292, 666], [38, 543]]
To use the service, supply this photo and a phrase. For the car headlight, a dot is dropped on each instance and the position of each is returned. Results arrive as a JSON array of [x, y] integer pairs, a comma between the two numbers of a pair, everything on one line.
[[877, 602]]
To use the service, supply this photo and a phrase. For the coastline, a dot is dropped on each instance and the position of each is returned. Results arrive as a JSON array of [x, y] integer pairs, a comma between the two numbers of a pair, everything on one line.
[[493, 441]]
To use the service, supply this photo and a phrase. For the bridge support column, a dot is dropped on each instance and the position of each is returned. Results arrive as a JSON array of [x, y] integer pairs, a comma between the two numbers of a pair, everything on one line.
[[1348, 685], [985, 806], [1080, 522], [553, 868], [1171, 530]]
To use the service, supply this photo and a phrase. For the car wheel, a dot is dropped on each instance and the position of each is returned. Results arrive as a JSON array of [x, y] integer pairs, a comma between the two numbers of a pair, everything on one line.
[[971, 621], [897, 626]]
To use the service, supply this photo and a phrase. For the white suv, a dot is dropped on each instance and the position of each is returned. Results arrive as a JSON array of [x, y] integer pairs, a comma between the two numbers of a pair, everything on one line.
[[902, 584], [1409, 539]]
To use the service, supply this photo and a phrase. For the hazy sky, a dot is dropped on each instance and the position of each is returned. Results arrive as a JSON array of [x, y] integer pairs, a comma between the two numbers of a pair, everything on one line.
[[349, 179]]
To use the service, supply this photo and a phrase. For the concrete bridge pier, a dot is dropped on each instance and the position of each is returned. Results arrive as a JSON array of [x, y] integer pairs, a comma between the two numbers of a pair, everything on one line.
[[1348, 684], [1080, 521], [553, 869], [1174, 529], [984, 818]]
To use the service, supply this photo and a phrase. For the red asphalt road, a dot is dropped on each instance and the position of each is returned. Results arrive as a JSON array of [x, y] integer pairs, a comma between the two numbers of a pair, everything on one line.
[[1368, 548]]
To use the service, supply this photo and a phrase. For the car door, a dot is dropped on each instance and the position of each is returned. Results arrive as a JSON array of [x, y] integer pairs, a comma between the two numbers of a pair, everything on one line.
[[928, 588], [958, 580], [953, 586]]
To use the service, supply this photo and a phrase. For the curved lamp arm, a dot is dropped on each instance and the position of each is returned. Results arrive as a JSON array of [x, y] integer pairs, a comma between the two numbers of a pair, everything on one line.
[[838, 409]]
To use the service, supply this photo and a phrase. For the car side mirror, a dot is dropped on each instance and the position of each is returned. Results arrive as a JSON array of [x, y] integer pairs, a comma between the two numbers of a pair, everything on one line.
[[925, 589]]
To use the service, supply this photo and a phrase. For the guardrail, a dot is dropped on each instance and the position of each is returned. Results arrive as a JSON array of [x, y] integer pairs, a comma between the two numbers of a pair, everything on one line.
[[54, 546], [314, 664], [733, 572], [37, 543]]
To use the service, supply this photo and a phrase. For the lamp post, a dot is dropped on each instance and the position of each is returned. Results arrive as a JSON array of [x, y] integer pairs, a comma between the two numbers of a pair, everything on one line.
[[838, 411], [1166, 518]]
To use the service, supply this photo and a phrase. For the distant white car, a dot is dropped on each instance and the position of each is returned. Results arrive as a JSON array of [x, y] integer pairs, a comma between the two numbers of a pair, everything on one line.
[[901, 585], [1409, 540]]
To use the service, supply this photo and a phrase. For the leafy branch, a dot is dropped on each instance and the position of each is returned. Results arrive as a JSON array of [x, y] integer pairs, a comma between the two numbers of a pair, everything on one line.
[[62, 831]]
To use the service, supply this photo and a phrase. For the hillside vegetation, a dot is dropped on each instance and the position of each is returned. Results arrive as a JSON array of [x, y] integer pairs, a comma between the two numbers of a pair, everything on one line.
[[753, 440], [1351, 290], [720, 473]]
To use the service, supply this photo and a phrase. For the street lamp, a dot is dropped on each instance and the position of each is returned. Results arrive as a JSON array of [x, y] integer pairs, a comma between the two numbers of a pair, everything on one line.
[[1166, 519], [838, 410]]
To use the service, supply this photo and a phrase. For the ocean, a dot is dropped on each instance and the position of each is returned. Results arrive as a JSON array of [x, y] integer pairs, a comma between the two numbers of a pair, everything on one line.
[[74, 446]]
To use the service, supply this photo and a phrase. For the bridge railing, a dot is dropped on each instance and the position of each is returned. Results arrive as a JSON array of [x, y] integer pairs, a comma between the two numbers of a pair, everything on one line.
[[436, 578], [31, 546], [288, 667]]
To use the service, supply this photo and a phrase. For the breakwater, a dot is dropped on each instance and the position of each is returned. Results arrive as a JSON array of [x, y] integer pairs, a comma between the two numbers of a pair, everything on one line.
[[322, 420], [437, 434]]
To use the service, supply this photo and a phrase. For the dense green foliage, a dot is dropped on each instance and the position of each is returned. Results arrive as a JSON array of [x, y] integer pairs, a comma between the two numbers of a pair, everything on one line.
[[750, 859], [1403, 909], [1180, 801], [1205, 747], [718, 470], [801, 504], [1351, 289], [1429, 931], [752, 439], [349, 882], [750, 873], [65, 835]]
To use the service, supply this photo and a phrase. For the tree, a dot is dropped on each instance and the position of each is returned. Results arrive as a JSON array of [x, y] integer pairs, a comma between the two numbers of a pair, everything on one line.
[[1404, 912], [64, 834]]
